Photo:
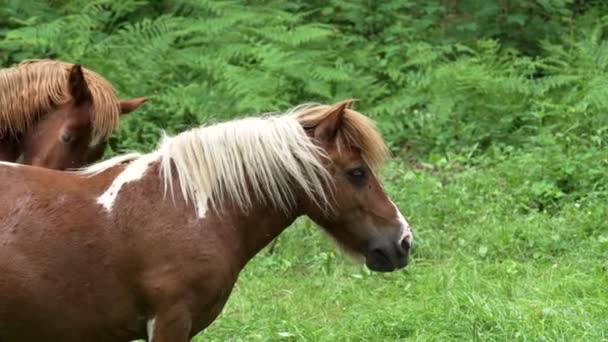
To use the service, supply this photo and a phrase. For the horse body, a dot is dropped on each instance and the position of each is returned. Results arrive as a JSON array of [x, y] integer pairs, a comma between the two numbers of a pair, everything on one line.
[[116, 272], [111, 277], [110, 254]]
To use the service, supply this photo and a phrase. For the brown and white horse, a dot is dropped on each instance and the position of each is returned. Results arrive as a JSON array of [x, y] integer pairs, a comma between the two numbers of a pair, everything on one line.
[[151, 245], [57, 115]]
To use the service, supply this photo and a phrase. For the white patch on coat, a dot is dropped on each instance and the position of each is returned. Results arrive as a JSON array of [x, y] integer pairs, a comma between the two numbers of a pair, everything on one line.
[[134, 171]]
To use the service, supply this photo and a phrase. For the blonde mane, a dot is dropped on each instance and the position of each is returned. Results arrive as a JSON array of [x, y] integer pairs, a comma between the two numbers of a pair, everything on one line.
[[33, 87], [269, 159], [266, 159]]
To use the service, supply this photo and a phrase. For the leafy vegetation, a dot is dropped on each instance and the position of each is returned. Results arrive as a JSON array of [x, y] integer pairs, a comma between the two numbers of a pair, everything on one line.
[[495, 112]]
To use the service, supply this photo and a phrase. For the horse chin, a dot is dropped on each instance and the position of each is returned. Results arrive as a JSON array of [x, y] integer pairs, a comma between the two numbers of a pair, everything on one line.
[[379, 266]]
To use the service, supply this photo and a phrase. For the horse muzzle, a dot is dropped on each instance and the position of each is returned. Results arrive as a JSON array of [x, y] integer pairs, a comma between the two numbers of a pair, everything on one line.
[[387, 256]]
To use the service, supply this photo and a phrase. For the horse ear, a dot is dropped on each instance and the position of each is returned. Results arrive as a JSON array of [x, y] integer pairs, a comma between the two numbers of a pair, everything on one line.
[[78, 85], [127, 106], [327, 128]]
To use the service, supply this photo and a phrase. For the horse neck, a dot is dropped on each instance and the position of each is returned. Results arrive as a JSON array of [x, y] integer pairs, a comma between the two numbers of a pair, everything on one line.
[[246, 233], [257, 229]]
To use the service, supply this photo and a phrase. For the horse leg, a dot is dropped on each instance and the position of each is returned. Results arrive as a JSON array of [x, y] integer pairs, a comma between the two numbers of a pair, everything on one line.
[[9, 150], [171, 325]]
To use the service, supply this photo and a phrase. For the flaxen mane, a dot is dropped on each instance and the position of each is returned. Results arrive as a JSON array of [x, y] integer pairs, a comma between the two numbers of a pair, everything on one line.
[[271, 158], [33, 87]]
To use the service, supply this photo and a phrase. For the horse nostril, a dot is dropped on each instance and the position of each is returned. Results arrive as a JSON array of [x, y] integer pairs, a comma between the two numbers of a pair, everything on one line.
[[405, 245]]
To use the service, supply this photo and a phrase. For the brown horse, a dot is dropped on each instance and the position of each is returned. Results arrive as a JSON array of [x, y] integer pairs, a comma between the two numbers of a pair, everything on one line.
[[57, 115], [151, 245]]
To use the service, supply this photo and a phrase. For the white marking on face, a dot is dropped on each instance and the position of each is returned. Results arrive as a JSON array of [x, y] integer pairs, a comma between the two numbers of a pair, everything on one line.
[[406, 230], [134, 171], [150, 328]]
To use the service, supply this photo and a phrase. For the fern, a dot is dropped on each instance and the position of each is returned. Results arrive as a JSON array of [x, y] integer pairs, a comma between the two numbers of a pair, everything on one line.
[[437, 75]]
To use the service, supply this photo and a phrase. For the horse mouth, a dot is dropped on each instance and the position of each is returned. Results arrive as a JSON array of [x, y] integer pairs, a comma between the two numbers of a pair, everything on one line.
[[379, 261]]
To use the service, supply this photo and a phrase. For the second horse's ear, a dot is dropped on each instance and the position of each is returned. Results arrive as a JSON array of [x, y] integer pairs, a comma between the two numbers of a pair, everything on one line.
[[79, 90], [127, 106]]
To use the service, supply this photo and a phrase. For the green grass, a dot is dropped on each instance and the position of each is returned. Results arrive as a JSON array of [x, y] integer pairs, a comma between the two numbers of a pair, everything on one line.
[[495, 259]]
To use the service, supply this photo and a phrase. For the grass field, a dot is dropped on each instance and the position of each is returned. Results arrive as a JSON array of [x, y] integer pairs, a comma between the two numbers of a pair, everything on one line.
[[490, 263]]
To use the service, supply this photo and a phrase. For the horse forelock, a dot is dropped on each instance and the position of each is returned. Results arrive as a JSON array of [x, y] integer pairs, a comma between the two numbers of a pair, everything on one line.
[[356, 130], [33, 87]]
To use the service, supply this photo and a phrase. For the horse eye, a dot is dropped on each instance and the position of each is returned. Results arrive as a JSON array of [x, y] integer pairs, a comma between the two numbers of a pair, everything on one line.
[[67, 138], [356, 174]]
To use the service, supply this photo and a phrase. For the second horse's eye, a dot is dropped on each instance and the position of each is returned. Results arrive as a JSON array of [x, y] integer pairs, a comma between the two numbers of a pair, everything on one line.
[[356, 175], [67, 138]]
